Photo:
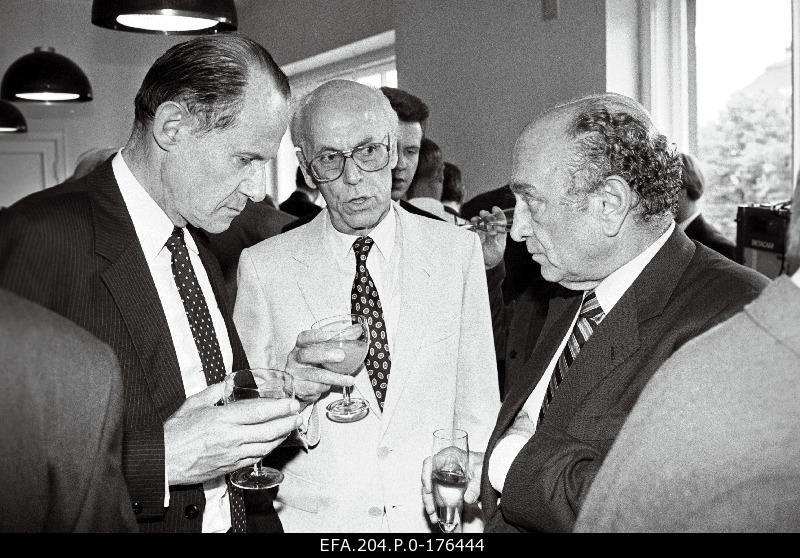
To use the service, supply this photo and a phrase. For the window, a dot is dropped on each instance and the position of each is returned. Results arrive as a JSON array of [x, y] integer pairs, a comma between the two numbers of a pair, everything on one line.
[[717, 77], [371, 62]]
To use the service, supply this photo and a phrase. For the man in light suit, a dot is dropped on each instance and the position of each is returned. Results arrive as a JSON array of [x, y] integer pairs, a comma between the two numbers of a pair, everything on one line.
[[595, 186], [430, 285], [61, 431], [119, 252]]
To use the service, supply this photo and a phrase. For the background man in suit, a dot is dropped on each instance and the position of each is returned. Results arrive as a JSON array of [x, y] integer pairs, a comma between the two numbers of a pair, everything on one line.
[[425, 192], [452, 190], [689, 217], [118, 253], [712, 443], [595, 186], [61, 433], [430, 288], [301, 202]]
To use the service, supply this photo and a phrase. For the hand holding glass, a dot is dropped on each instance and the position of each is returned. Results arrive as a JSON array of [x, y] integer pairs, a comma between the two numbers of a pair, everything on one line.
[[449, 475], [252, 384], [350, 333]]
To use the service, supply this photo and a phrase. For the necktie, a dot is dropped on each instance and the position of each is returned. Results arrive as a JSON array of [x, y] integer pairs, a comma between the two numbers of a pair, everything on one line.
[[591, 314], [365, 301], [205, 339]]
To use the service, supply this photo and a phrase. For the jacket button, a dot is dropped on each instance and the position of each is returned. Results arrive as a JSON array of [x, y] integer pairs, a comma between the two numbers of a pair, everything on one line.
[[137, 508], [191, 511], [375, 511], [512, 354]]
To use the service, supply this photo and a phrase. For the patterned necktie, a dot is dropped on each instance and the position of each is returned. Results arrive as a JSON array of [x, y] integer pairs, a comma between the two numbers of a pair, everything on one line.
[[590, 316], [365, 301], [205, 339]]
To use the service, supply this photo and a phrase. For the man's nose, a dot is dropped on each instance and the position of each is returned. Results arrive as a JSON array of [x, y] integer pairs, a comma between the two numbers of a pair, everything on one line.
[[351, 173], [254, 186], [520, 227], [402, 162]]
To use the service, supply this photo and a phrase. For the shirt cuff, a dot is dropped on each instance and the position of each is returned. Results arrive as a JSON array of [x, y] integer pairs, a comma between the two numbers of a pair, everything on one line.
[[503, 455]]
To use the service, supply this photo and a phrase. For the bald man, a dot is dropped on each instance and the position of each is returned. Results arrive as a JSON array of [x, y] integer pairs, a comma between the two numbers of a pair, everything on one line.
[[431, 360]]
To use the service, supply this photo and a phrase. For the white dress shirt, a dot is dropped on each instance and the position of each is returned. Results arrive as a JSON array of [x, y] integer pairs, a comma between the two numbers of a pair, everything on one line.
[[608, 293], [153, 228]]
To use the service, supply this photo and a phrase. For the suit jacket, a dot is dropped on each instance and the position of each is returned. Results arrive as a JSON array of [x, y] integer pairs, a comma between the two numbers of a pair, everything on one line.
[[712, 443], [705, 233], [61, 433], [684, 290], [258, 220], [299, 205], [72, 248], [442, 374]]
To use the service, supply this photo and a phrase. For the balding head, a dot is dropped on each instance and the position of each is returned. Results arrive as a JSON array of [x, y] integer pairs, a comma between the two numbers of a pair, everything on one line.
[[336, 103]]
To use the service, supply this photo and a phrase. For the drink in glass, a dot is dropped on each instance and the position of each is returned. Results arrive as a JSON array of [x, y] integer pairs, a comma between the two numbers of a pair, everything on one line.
[[450, 475]]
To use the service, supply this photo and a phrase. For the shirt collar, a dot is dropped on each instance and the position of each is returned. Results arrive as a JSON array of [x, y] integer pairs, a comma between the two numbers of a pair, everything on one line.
[[611, 289], [382, 235], [152, 225]]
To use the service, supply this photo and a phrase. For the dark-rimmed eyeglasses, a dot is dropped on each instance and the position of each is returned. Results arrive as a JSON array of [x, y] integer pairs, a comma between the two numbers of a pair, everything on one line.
[[329, 166]]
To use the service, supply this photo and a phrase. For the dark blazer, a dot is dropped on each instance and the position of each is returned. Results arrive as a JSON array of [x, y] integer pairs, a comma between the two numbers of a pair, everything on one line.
[[684, 290], [299, 205], [73, 249], [61, 430], [705, 233]]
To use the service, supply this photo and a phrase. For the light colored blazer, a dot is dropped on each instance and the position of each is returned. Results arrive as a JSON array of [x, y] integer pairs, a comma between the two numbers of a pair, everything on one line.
[[443, 371]]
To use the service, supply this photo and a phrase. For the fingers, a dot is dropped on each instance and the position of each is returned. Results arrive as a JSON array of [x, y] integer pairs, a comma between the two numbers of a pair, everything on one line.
[[259, 411], [306, 375], [473, 491], [319, 353], [206, 398], [427, 490]]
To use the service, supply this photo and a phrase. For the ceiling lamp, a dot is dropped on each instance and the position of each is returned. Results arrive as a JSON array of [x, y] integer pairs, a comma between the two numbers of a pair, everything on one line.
[[45, 76], [168, 17], [11, 119]]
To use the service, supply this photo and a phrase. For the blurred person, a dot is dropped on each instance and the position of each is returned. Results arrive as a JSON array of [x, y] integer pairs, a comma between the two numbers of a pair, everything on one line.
[[595, 187], [425, 192], [712, 443], [120, 253], [302, 202], [431, 360], [689, 217], [452, 190], [61, 433], [90, 160]]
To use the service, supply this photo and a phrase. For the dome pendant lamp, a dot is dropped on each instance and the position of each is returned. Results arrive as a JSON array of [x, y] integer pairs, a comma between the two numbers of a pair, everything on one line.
[[45, 76], [11, 119], [167, 17]]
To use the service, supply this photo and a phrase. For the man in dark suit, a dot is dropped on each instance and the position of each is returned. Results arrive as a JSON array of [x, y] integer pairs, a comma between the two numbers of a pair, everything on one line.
[[595, 185], [689, 217], [119, 253], [61, 433], [301, 202]]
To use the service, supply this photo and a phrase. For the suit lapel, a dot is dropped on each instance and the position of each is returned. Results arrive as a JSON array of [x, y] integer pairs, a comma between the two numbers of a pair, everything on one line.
[[128, 280], [416, 297], [318, 279]]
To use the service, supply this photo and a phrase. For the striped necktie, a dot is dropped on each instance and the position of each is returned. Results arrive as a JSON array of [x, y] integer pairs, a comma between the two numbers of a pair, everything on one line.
[[591, 314], [205, 339]]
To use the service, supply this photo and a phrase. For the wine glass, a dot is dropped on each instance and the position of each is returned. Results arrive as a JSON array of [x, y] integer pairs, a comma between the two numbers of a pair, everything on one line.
[[350, 333], [487, 224], [251, 384], [450, 474]]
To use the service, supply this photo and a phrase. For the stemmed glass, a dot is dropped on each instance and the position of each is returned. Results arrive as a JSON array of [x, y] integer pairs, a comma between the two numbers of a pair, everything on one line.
[[450, 474], [252, 384], [350, 333], [487, 224]]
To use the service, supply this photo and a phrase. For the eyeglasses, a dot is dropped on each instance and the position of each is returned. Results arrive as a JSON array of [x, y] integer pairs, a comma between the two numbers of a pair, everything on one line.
[[329, 166]]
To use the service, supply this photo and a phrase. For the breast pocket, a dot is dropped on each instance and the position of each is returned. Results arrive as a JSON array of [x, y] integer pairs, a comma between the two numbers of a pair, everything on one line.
[[298, 492]]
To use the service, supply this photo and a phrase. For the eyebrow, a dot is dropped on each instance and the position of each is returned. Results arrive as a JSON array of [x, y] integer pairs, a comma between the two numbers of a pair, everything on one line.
[[365, 141], [252, 155]]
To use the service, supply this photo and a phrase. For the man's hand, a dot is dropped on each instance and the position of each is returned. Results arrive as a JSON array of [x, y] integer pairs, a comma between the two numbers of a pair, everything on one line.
[[493, 241], [472, 493], [310, 381], [202, 441]]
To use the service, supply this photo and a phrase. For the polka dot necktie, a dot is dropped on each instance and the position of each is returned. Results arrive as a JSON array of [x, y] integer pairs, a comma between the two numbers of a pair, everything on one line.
[[590, 316], [365, 301], [205, 339]]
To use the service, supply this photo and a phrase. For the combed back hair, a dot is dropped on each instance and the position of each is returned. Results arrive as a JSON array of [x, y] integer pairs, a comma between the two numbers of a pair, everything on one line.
[[452, 190], [409, 108], [692, 177], [430, 166], [208, 75], [298, 128], [614, 136]]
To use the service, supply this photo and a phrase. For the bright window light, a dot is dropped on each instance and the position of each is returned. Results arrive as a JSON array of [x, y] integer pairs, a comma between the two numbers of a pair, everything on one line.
[[7, 129], [48, 96], [152, 22]]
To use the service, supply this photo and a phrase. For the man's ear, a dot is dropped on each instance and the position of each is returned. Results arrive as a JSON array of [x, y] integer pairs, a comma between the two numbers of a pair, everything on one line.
[[393, 155], [615, 198], [169, 118]]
